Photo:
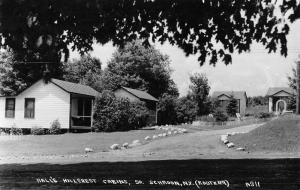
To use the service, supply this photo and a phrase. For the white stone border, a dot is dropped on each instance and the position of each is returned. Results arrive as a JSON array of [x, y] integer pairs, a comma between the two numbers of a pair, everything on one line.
[[224, 139], [170, 130]]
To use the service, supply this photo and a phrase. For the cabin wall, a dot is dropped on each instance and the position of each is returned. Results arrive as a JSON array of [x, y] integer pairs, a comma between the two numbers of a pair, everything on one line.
[[241, 103], [51, 102]]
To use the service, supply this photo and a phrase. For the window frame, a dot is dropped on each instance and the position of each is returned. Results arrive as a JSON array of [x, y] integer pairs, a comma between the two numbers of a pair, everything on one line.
[[25, 109], [6, 106]]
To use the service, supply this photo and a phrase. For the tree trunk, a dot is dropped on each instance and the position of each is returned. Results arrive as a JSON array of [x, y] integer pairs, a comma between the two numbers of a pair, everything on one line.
[[298, 89]]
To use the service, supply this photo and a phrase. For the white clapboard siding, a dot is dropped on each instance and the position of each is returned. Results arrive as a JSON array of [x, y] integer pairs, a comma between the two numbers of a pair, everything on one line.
[[51, 102]]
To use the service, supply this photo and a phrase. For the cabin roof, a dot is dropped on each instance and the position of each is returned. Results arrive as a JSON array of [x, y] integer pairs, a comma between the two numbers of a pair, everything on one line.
[[274, 90], [236, 94], [140, 94], [75, 88]]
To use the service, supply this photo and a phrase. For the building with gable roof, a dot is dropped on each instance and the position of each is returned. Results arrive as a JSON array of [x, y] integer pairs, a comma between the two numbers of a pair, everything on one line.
[[224, 97], [42, 103], [279, 97], [139, 95]]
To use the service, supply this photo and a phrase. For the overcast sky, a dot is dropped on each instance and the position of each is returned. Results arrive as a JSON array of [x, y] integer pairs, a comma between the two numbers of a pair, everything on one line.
[[252, 72]]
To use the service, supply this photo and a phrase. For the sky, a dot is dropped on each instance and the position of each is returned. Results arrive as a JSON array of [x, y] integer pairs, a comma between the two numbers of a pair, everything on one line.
[[253, 72]]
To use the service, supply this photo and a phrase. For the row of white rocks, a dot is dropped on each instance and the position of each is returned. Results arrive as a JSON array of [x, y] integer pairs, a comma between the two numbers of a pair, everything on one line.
[[169, 131], [224, 139]]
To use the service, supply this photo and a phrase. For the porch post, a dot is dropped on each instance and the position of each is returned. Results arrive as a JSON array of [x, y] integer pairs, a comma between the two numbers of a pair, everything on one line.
[[70, 114], [156, 113], [298, 88], [270, 104], [92, 113]]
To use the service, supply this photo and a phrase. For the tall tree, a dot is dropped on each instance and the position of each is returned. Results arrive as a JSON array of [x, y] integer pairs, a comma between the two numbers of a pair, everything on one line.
[[40, 31], [86, 70], [257, 101], [294, 102], [10, 84], [186, 110], [292, 79], [199, 90], [232, 106], [166, 108], [140, 67]]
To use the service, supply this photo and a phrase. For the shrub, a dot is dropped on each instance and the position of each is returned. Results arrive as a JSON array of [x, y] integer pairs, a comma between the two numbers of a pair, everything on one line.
[[167, 110], [15, 131], [113, 114], [55, 127], [248, 114], [219, 115], [38, 131], [26, 131], [291, 104], [232, 106], [5, 130], [263, 115], [139, 115], [207, 118], [186, 110]]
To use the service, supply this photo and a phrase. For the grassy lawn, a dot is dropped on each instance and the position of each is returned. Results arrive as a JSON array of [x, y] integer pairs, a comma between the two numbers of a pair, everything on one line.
[[231, 124], [69, 143], [282, 134]]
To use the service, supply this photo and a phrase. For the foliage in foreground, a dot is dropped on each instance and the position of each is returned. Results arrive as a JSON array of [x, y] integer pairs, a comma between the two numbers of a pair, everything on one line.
[[46, 30]]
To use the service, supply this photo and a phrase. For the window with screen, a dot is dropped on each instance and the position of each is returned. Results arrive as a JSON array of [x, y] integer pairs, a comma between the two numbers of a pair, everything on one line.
[[10, 107], [84, 107], [29, 107]]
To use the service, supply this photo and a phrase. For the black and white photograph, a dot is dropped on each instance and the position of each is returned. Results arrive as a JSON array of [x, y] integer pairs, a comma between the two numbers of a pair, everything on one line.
[[150, 94]]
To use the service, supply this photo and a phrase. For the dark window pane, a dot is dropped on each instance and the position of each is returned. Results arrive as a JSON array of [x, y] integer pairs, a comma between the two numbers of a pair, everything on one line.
[[80, 106], [10, 107], [87, 107], [29, 107]]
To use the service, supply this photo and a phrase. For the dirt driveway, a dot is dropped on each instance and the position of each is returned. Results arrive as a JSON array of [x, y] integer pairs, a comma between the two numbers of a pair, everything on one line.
[[203, 144]]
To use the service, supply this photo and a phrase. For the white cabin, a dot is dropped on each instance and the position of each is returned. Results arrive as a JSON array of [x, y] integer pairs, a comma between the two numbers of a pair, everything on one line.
[[42, 103]]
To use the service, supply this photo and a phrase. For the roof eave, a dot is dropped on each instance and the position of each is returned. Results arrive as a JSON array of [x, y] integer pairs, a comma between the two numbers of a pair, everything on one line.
[[156, 100]]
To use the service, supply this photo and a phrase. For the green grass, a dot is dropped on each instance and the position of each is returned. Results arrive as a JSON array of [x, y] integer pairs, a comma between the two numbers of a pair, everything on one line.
[[281, 134], [69, 143]]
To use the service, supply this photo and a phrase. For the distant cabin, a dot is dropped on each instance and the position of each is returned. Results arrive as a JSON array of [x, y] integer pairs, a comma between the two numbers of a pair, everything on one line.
[[224, 96], [279, 97], [42, 103], [139, 95]]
